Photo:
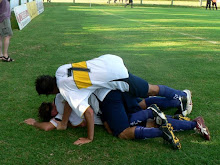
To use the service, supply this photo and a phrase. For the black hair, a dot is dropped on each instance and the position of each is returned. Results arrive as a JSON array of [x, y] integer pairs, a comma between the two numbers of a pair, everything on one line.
[[45, 84], [44, 111]]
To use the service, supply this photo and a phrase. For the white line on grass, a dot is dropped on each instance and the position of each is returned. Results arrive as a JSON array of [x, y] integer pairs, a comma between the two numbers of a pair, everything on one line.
[[184, 34]]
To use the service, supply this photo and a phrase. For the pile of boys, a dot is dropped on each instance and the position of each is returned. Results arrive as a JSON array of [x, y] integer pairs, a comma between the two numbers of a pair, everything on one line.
[[102, 88]]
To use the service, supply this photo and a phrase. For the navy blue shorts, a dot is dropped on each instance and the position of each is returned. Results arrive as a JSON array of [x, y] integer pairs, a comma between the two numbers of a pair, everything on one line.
[[113, 112], [131, 103], [138, 87], [117, 105]]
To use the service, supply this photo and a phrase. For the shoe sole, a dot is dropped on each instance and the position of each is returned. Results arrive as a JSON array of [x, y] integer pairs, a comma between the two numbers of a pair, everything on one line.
[[189, 104], [174, 140], [181, 117], [160, 114]]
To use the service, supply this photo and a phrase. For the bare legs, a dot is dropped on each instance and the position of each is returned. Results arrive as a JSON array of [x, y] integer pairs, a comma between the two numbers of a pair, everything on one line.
[[4, 49], [6, 45], [153, 90], [128, 133]]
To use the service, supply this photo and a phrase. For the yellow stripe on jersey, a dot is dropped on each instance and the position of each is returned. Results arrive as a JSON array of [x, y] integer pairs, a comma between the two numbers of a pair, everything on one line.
[[81, 78]]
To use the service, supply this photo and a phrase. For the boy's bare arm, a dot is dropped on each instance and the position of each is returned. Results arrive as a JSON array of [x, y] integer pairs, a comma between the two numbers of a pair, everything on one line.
[[46, 126]]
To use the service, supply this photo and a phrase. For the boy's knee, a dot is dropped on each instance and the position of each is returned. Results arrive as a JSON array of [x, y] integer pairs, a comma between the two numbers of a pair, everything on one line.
[[153, 90], [127, 134]]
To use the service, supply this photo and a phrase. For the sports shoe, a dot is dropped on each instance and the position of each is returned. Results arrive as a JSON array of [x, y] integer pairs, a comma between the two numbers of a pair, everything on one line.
[[169, 136], [189, 103], [181, 117], [182, 107], [159, 116], [201, 128]]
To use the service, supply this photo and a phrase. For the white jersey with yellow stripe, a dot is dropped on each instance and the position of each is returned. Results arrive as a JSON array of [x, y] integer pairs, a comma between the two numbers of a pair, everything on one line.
[[77, 81]]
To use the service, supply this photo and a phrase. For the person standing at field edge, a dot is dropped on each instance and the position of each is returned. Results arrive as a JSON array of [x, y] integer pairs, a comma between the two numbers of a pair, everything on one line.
[[214, 4], [208, 4], [5, 30], [130, 3]]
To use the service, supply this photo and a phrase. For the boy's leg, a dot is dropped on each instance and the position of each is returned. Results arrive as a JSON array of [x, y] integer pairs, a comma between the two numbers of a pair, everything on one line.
[[185, 97], [138, 87], [170, 93], [152, 112], [162, 103], [113, 112], [181, 125], [139, 132], [140, 117], [165, 128]]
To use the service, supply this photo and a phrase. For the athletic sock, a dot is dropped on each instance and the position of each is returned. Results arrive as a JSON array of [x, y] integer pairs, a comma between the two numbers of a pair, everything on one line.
[[140, 117], [180, 125], [162, 103], [145, 133], [170, 93]]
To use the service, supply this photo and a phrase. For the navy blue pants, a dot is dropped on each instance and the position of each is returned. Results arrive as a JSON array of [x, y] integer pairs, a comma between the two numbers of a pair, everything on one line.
[[116, 104], [114, 113]]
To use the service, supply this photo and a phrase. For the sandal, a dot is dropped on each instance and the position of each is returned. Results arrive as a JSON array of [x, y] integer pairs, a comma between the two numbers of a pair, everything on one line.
[[1, 57], [7, 59]]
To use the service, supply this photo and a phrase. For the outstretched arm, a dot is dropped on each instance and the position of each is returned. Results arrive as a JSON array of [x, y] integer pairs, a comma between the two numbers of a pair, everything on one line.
[[46, 126], [90, 128]]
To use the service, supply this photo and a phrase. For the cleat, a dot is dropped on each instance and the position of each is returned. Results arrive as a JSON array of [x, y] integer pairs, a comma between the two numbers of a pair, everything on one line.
[[181, 117], [201, 128], [189, 103], [185, 103], [169, 136], [159, 116], [182, 107]]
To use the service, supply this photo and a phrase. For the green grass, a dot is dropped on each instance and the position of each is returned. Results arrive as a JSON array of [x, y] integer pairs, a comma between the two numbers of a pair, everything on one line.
[[174, 46]]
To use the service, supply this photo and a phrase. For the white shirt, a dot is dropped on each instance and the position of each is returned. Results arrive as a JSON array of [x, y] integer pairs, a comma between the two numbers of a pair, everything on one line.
[[74, 119], [76, 88]]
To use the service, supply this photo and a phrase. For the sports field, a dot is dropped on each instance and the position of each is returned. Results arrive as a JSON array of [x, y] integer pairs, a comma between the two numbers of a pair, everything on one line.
[[174, 46]]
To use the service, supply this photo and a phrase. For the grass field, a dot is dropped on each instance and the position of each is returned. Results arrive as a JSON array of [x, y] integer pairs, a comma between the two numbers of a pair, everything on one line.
[[175, 46]]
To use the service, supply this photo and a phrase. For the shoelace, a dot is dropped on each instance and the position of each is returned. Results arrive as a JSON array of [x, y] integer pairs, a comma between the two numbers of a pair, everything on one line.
[[202, 129]]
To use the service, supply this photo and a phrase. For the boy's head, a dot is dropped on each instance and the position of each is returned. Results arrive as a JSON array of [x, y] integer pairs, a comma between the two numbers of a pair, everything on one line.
[[45, 84], [47, 111]]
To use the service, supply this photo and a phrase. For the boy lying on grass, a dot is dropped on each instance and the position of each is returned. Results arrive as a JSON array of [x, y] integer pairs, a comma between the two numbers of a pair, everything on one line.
[[51, 114]]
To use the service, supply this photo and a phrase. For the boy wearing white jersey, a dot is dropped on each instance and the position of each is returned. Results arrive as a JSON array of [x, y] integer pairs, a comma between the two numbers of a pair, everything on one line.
[[77, 81], [116, 120], [54, 113]]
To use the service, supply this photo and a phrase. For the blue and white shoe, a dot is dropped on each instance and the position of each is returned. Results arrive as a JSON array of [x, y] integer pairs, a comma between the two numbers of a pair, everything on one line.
[[159, 116], [189, 104], [185, 103]]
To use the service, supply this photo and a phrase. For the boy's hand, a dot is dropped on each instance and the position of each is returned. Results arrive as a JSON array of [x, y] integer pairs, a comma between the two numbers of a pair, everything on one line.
[[82, 141], [30, 121]]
